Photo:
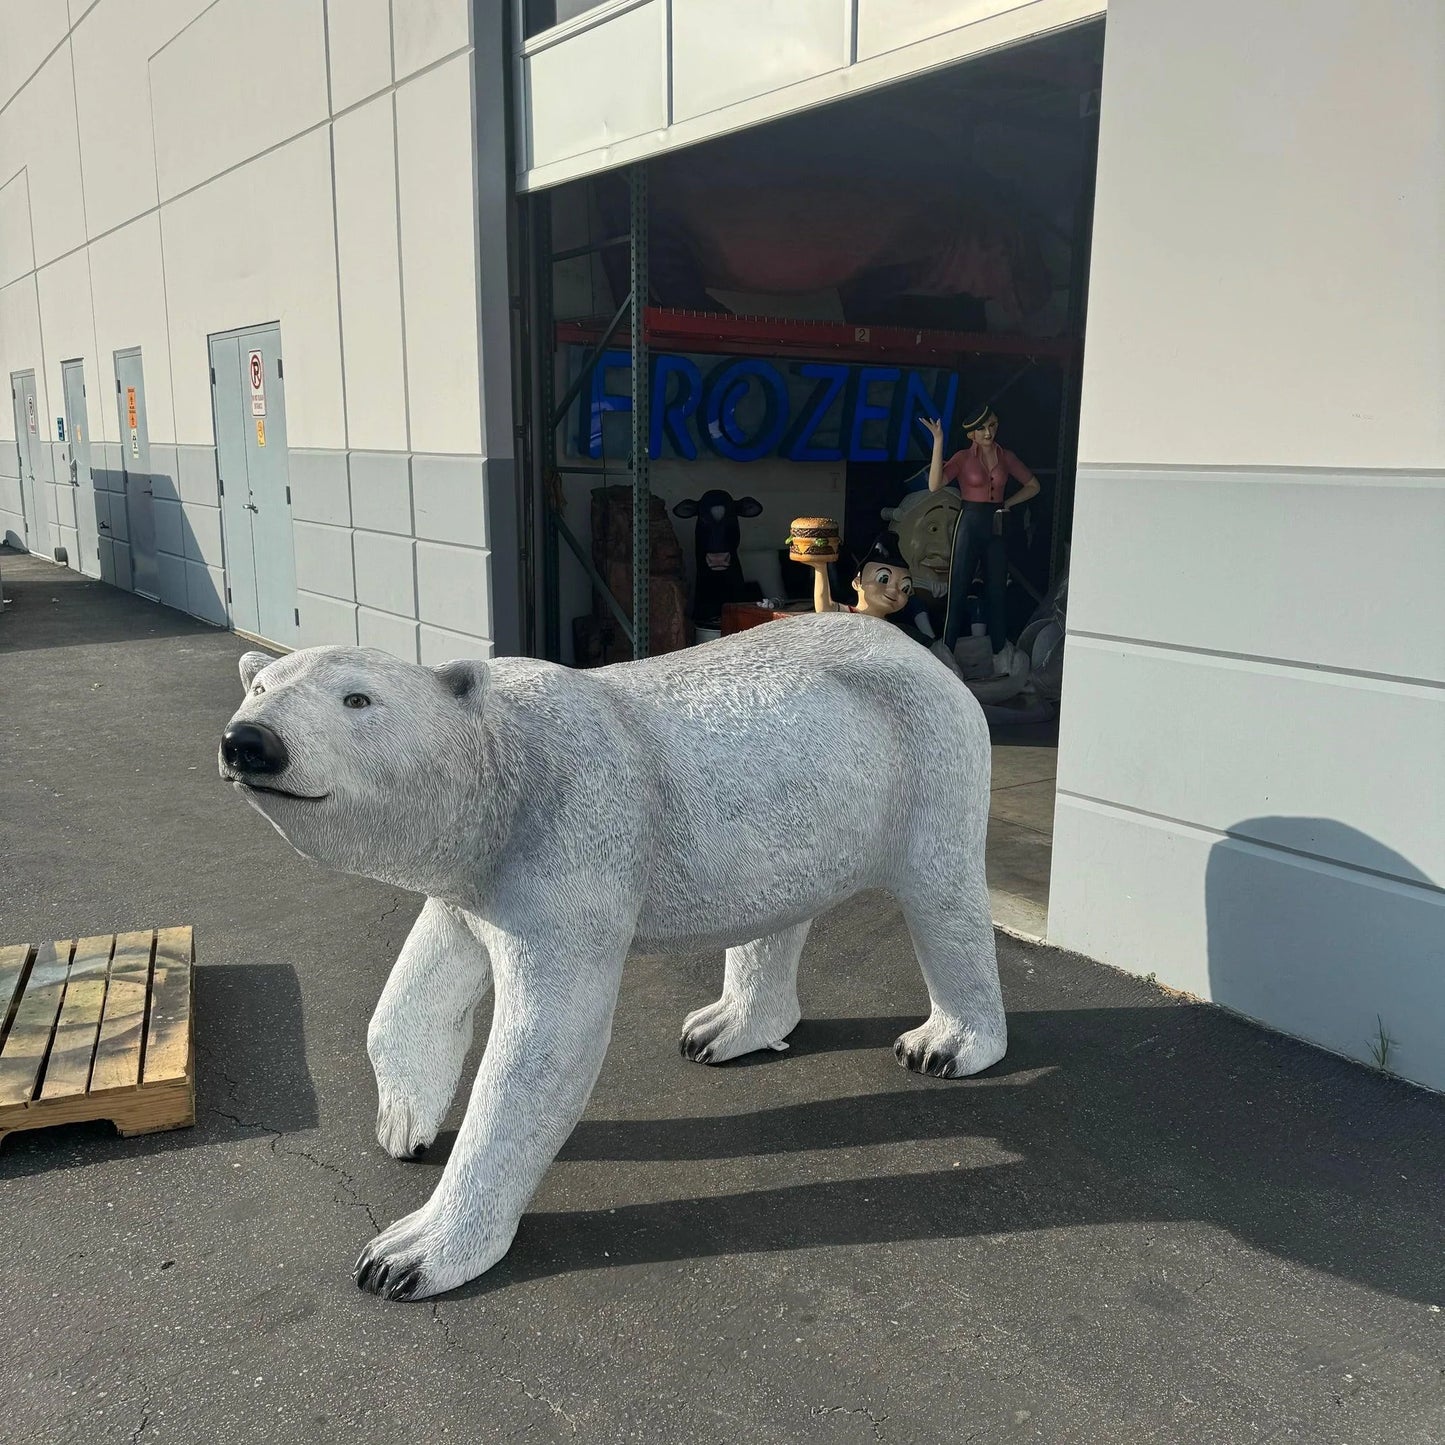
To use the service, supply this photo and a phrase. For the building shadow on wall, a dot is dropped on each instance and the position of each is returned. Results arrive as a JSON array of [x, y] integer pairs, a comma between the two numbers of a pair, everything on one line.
[[1320, 930]]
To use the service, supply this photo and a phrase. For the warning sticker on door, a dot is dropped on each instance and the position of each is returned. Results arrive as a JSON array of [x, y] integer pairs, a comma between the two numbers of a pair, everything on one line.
[[257, 373], [130, 407], [260, 431], [30, 411], [134, 442]]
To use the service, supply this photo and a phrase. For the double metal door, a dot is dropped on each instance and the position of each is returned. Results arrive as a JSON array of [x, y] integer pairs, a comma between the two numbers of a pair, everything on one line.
[[77, 444], [248, 400], [28, 442], [135, 459]]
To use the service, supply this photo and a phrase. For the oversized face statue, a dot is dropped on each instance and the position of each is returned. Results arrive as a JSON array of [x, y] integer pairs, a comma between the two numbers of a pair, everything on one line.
[[924, 523], [882, 588]]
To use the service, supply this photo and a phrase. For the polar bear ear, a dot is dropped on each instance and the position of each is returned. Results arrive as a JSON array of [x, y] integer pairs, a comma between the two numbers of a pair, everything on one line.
[[465, 679], [251, 664]]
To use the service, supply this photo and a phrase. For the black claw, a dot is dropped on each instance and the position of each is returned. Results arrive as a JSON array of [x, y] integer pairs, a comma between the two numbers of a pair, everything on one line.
[[417, 1150], [404, 1284]]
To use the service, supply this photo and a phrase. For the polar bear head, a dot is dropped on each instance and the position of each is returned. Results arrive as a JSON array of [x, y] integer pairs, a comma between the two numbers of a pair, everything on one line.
[[359, 760]]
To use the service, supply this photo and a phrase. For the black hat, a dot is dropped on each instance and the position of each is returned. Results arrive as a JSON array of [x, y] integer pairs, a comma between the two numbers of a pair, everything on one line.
[[883, 552], [975, 416]]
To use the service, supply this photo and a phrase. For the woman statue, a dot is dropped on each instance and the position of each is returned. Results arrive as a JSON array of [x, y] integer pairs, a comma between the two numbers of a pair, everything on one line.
[[981, 472]]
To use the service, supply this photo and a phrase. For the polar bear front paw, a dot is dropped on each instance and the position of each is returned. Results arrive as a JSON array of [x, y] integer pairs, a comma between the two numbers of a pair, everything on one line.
[[727, 1029], [401, 1128], [944, 1049], [417, 1257]]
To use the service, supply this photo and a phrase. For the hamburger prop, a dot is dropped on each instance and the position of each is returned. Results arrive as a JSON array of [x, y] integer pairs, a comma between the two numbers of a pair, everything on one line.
[[813, 540]]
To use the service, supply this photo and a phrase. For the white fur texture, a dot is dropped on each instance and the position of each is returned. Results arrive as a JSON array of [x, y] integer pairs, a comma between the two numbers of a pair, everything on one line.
[[718, 797]]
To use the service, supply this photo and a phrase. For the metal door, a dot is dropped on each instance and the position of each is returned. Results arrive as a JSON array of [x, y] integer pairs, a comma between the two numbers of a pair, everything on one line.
[[235, 493], [28, 441], [135, 460], [77, 445], [249, 405]]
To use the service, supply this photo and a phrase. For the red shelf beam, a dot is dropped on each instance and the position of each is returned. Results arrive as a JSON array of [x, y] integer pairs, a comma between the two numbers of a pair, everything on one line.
[[709, 332]]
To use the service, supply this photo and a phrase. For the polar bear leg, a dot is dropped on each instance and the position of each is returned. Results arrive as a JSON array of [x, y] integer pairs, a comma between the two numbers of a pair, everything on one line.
[[952, 927], [759, 1004], [422, 1028], [550, 1028]]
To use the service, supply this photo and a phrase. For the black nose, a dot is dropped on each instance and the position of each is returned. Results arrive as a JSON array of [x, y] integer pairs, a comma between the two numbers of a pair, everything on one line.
[[252, 748]]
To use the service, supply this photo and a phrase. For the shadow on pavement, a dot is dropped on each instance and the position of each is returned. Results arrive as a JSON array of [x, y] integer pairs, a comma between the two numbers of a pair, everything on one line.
[[1115, 1116], [60, 610]]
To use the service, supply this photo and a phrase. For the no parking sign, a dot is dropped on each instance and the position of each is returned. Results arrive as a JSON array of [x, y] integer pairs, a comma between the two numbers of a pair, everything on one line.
[[257, 374]]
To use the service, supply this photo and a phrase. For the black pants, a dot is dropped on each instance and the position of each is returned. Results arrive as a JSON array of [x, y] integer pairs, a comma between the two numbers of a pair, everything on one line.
[[974, 542]]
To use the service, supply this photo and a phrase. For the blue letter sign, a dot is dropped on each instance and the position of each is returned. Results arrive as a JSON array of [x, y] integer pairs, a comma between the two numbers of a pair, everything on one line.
[[747, 408]]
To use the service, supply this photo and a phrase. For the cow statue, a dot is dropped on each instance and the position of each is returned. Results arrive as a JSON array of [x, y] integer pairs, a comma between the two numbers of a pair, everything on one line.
[[719, 570]]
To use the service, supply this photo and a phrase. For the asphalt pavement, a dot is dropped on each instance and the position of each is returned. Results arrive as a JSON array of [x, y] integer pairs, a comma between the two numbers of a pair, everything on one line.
[[1152, 1222]]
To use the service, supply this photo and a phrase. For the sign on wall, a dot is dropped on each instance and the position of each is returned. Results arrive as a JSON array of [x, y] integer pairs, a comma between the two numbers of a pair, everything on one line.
[[747, 408], [256, 373]]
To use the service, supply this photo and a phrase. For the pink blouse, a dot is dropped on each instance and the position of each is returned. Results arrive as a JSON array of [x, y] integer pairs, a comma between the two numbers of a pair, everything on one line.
[[978, 483]]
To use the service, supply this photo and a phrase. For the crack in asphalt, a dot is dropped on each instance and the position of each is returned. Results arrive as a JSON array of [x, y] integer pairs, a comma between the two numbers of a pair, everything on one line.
[[543, 1400], [145, 1419], [553, 1405], [347, 1181], [446, 1327], [876, 1421]]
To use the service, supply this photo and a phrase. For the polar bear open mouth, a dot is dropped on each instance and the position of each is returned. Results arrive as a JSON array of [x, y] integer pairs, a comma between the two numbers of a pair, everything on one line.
[[281, 792]]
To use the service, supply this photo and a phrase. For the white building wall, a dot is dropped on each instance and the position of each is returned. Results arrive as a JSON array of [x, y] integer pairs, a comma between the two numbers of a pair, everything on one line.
[[170, 169], [1252, 763], [632, 78]]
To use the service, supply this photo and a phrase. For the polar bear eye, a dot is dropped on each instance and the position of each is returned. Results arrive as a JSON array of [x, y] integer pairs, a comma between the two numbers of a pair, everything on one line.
[[257, 690], [356, 699]]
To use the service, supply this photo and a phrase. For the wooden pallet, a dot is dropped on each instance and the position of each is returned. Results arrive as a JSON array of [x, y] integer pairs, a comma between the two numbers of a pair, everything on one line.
[[99, 1028]]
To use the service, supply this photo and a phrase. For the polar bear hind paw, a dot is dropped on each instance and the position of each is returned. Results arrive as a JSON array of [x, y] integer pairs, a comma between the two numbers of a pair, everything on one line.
[[942, 1049], [725, 1030]]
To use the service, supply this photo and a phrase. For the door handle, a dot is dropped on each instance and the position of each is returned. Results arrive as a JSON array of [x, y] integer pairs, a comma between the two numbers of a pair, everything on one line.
[[104, 526], [251, 506]]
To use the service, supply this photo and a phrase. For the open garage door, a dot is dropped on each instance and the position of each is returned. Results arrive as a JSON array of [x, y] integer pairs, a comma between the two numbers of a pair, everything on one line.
[[604, 82]]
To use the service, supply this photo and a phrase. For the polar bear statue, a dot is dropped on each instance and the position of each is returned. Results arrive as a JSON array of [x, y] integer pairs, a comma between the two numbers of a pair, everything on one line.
[[719, 797]]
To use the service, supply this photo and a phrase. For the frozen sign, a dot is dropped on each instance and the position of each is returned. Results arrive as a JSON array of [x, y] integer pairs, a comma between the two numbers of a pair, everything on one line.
[[747, 408]]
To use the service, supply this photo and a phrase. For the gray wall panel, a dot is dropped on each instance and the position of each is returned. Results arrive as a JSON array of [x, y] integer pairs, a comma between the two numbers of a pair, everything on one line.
[[323, 560], [381, 492], [385, 577], [396, 635], [319, 487], [452, 588], [449, 499]]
